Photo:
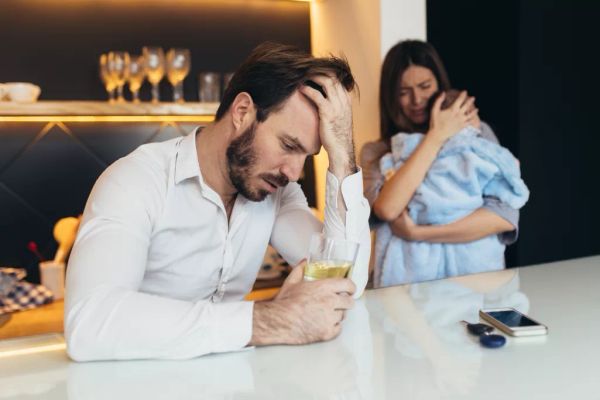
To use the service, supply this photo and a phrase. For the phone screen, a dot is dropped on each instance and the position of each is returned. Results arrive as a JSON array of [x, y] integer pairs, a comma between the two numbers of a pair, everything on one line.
[[512, 318]]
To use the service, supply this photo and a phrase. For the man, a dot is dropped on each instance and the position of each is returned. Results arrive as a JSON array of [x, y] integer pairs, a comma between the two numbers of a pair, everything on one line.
[[173, 235]]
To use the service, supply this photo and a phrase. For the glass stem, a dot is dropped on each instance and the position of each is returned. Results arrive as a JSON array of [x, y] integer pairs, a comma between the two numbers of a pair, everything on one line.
[[178, 92], [120, 91], [155, 98]]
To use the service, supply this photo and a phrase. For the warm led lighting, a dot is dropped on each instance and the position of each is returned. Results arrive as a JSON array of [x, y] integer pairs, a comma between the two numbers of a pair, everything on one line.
[[107, 118], [33, 350]]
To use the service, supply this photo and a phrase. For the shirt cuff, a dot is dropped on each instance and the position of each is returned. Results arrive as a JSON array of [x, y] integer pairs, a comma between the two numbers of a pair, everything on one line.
[[352, 189], [234, 325]]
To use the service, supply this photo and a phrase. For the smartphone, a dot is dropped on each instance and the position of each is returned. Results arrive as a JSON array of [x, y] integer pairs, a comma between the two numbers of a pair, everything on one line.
[[512, 322]]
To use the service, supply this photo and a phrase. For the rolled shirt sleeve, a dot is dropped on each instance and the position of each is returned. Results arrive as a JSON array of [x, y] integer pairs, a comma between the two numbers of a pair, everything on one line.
[[295, 223], [356, 226]]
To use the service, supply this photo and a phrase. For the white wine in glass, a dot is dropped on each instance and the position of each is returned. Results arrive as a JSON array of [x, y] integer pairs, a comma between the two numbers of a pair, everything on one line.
[[154, 58], [329, 257], [323, 269], [118, 69], [178, 66], [137, 74]]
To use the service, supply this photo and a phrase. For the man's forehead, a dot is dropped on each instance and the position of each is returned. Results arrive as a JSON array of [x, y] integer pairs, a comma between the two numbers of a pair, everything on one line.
[[299, 103], [299, 118]]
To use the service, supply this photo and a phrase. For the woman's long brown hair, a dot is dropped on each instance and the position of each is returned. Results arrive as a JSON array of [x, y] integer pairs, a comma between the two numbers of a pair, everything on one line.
[[397, 60]]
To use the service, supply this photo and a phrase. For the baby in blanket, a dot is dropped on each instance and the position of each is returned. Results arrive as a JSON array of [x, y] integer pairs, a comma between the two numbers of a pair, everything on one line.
[[466, 169]]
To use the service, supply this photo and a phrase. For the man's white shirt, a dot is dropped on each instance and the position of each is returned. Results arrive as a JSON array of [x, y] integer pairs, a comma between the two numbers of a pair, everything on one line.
[[158, 271]]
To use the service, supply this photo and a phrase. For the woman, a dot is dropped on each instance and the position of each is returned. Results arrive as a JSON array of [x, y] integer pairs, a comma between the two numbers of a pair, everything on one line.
[[412, 74]]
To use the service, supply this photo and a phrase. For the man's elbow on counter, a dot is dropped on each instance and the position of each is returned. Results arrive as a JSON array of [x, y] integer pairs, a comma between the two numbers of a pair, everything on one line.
[[81, 342], [76, 353], [76, 348]]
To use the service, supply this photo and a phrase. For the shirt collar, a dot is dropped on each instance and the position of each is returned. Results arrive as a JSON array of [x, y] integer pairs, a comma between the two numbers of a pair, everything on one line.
[[186, 163]]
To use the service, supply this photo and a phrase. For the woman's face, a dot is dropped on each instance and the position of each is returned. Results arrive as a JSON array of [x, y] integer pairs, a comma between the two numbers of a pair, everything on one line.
[[415, 87]]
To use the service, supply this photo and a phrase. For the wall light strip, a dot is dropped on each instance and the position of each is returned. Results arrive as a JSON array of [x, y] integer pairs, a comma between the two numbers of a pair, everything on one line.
[[33, 350], [107, 118]]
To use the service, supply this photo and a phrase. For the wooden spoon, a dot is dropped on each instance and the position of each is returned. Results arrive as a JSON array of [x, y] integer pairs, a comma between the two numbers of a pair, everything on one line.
[[65, 231]]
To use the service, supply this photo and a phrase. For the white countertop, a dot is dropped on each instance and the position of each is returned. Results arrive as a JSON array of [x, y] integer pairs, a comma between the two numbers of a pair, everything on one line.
[[403, 342]]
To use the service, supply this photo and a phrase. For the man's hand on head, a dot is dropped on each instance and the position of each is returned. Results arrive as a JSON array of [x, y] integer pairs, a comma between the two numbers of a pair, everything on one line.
[[334, 104]]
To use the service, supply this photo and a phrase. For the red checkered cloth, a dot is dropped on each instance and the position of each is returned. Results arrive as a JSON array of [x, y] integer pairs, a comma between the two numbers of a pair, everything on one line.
[[18, 295]]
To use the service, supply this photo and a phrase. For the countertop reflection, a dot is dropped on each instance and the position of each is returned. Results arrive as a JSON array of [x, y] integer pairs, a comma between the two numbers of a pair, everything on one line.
[[399, 342]]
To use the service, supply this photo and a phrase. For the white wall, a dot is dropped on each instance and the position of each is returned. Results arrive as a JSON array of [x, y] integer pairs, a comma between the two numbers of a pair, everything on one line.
[[362, 30]]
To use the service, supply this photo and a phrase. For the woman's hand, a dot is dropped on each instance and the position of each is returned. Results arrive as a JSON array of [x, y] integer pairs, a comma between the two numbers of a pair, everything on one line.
[[446, 123], [404, 227]]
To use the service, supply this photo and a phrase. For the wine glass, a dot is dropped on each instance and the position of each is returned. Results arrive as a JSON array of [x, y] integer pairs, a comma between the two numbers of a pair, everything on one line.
[[137, 73], [330, 257], [154, 58], [109, 84], [178, 66], [118, 69]]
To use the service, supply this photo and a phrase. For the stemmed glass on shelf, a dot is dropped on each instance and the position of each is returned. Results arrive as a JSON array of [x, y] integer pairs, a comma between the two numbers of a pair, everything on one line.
[[118, 69], [137, 73], [154, 59], [106, 78], [178, 66]]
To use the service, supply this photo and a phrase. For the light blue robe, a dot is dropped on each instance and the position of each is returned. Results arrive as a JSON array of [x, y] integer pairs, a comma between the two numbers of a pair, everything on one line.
[[466, 169]]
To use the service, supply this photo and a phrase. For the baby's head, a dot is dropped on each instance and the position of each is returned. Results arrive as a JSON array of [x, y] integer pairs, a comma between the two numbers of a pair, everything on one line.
[[451, 96]]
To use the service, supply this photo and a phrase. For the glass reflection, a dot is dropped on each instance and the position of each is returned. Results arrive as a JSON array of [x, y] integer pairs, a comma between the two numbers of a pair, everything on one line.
[[435, 355]]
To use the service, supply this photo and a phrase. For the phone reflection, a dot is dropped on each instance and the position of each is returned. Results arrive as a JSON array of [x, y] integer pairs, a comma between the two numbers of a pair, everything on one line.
[[337, 369], [422, 323]]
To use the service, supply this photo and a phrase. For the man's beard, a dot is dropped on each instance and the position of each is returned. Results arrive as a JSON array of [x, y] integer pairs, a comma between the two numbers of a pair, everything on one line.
[[242, 158]]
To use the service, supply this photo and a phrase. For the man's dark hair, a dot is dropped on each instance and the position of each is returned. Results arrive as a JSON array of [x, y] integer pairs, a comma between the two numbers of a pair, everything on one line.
[[273, 71]]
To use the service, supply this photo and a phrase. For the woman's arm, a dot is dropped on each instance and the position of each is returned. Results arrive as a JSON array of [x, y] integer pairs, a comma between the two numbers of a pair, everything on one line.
[[477, 225], [397, 192]]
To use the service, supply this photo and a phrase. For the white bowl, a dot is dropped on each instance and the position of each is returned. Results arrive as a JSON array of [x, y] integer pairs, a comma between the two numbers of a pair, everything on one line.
[[22, 92]]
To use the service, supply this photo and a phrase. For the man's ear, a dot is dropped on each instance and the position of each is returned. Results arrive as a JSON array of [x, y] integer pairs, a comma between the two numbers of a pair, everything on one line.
[[242, 107]]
